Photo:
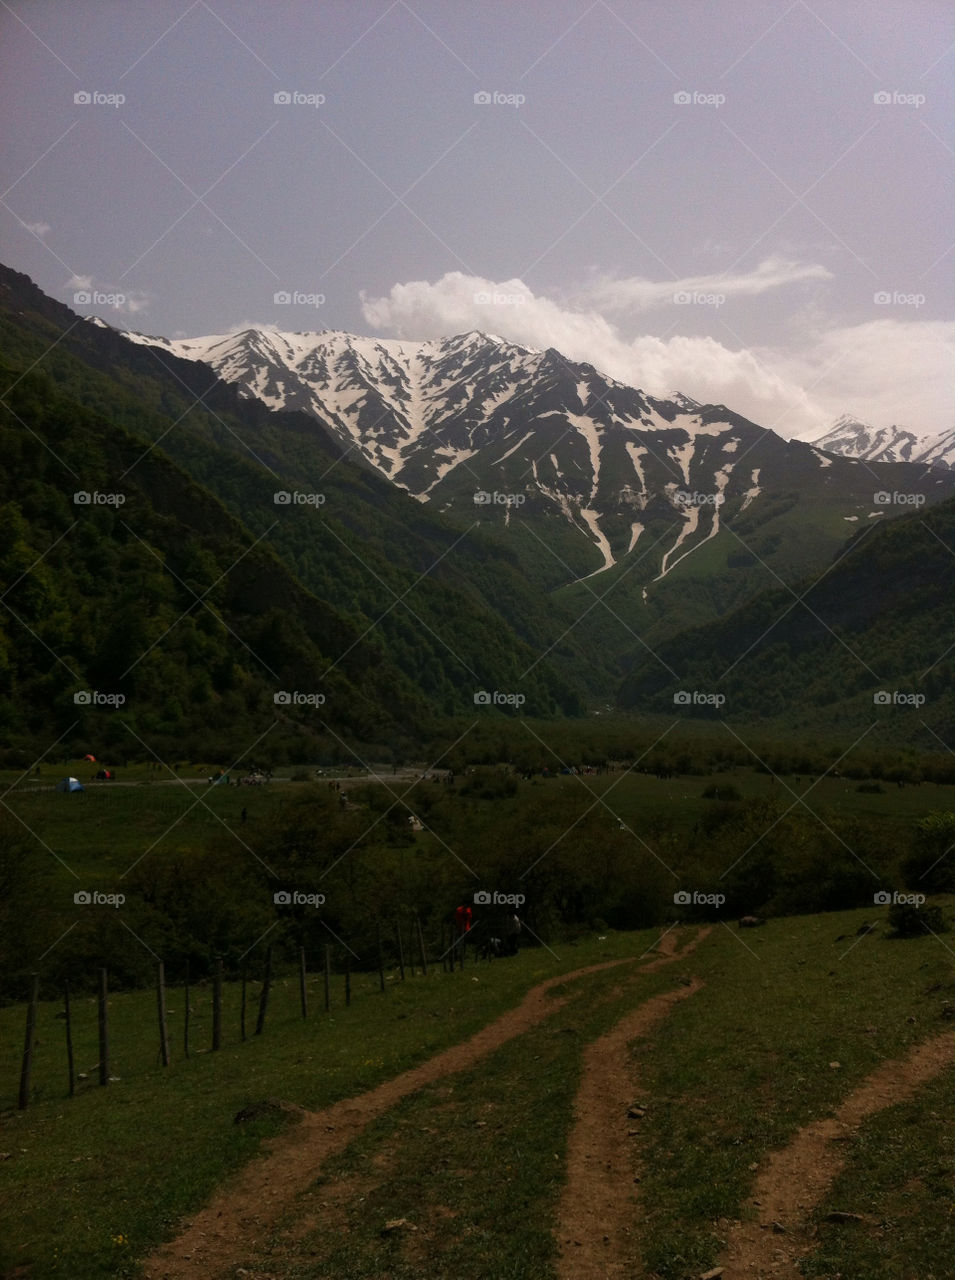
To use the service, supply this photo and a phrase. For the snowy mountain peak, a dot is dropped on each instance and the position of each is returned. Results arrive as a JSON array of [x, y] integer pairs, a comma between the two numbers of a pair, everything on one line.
[[484, 426], [852, 438]]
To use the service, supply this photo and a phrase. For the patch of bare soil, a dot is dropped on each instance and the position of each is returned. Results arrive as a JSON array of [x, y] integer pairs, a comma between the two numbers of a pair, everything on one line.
[[597, 1207], [238, 1219], [794, 1180]]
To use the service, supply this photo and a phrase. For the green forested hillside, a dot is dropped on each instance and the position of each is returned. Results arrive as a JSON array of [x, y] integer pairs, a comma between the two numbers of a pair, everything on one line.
[[869, 642], [196, 596]]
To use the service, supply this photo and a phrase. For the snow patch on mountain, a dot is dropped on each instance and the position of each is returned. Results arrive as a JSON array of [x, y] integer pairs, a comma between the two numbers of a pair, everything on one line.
[[852, 438]]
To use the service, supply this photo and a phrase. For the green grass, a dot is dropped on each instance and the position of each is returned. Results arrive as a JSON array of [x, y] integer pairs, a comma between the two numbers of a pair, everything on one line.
[[738, 1069], [130, 1159], [474, 1162], [99, 833], [901, 1176]]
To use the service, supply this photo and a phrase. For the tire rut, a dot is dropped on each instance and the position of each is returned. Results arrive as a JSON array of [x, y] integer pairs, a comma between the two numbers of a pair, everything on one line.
[[237, 1220], [597, 1207], [794, 1179]]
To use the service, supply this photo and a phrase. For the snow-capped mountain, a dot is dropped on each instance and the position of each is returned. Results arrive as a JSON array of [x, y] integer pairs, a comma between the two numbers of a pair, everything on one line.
[[484, 428], [854, 439]]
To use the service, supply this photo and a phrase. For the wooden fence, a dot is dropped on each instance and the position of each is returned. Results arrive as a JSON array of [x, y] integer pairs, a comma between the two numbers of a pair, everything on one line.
[[402, 950]]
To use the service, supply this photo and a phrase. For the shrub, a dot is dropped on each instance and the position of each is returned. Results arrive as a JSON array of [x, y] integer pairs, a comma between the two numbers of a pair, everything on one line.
[[910, 921]]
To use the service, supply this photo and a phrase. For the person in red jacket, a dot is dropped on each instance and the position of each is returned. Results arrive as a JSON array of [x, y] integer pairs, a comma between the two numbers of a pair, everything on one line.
[[462, 919]]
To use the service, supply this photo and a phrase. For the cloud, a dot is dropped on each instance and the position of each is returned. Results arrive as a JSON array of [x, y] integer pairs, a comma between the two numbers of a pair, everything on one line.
[[635, 293], [892, 370], [39, 229], [888, 372], [99, 296]]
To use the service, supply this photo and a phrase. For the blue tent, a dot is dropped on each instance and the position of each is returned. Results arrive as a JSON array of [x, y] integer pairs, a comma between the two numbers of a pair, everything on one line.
[[70, 784]]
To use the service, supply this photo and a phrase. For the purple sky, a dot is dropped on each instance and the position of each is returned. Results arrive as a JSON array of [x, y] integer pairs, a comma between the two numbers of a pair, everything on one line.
[[781, 242]]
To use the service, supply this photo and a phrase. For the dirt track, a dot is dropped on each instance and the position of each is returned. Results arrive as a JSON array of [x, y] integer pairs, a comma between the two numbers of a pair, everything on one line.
[[239, 1216], [598, 1208], [793, 1181]]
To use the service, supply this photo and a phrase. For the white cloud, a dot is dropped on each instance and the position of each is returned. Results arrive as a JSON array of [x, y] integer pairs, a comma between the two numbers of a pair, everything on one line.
[[79, 282], [635, 293], [887, 372], [39, 229], [892, 370]]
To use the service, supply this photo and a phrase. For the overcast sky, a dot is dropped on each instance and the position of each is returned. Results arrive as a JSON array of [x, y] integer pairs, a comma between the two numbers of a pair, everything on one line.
[[747, 202]]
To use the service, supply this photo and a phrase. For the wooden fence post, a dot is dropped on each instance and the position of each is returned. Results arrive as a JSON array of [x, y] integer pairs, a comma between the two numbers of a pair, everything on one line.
[[161, 1012], [347, 981], [328, 977], [264, 998], [185, 1020], [103, 1028], [28, 1041], [69, 1037], [217, 1005], [242, 1006], [302, 990], [401, 950], [424, 954], [381, 960]]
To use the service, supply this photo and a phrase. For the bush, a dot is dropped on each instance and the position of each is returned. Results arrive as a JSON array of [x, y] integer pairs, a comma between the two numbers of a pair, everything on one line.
[[910, 921], [931, 866]]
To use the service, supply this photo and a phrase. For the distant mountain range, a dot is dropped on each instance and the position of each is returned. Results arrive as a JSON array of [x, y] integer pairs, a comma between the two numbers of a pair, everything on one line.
[[479, 521], [854, 439], [601, 473]]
